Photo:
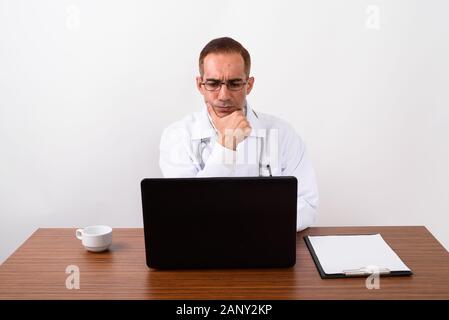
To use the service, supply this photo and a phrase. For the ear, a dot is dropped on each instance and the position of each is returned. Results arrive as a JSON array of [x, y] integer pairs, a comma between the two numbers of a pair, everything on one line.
[[199, 86], [250, 85]]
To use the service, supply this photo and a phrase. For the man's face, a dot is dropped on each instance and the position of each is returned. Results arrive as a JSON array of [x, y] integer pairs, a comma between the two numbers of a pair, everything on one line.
[[225, 67]]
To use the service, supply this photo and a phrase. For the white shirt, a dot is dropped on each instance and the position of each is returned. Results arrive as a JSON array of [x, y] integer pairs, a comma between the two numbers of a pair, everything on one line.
[[189, 148]]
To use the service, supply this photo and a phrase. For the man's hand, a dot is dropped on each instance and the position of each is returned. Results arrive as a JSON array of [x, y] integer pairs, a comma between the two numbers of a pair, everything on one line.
[[232, 129]]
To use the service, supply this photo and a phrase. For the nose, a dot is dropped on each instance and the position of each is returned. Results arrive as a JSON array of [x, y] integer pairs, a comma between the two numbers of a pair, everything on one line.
[[223, 93]]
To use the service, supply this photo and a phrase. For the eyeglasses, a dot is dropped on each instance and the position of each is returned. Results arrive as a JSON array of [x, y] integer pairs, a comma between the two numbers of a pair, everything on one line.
[[215, 85]]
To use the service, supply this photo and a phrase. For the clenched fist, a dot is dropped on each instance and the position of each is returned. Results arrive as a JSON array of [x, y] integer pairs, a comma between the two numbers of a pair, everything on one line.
[[232, 129]]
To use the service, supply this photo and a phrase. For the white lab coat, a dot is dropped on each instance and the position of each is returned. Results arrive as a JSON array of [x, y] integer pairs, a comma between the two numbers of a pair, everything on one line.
[[188, 148]]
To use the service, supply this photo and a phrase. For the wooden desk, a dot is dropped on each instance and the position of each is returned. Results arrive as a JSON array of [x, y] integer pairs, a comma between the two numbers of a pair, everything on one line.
[[37, 271]]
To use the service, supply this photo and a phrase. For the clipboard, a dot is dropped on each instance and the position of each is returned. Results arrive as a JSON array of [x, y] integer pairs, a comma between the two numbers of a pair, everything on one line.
[[352, 272]]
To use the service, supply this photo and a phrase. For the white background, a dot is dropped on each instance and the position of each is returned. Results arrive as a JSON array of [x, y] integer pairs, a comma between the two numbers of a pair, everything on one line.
[[86, 88]]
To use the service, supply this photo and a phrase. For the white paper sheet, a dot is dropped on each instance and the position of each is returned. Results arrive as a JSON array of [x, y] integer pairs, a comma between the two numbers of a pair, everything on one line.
[[339, 253]]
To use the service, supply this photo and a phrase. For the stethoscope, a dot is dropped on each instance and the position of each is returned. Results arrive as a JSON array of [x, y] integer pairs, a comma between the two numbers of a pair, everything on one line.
[[204, 144]]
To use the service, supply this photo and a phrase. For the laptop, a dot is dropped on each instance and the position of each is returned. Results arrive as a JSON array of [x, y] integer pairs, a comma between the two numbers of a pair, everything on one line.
[[222, 222]]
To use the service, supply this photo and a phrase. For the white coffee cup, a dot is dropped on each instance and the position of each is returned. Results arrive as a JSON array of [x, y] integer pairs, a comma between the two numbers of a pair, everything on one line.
[[95, 238]]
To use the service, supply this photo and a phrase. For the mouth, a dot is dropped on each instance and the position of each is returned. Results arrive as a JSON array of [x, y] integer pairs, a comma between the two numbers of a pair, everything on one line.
[[226, 109]]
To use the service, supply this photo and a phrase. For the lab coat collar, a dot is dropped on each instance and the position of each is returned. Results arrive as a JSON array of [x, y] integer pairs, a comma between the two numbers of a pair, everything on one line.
[[204, 129]]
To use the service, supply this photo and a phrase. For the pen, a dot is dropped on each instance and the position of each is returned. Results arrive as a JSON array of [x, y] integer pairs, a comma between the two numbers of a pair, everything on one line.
[[366, 271]]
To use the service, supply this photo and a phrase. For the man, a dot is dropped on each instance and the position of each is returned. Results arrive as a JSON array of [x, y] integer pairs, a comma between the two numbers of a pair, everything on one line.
[[228, 138]]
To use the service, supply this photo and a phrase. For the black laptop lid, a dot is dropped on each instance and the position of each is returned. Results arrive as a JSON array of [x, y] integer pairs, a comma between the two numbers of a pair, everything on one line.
[[224, 222]]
